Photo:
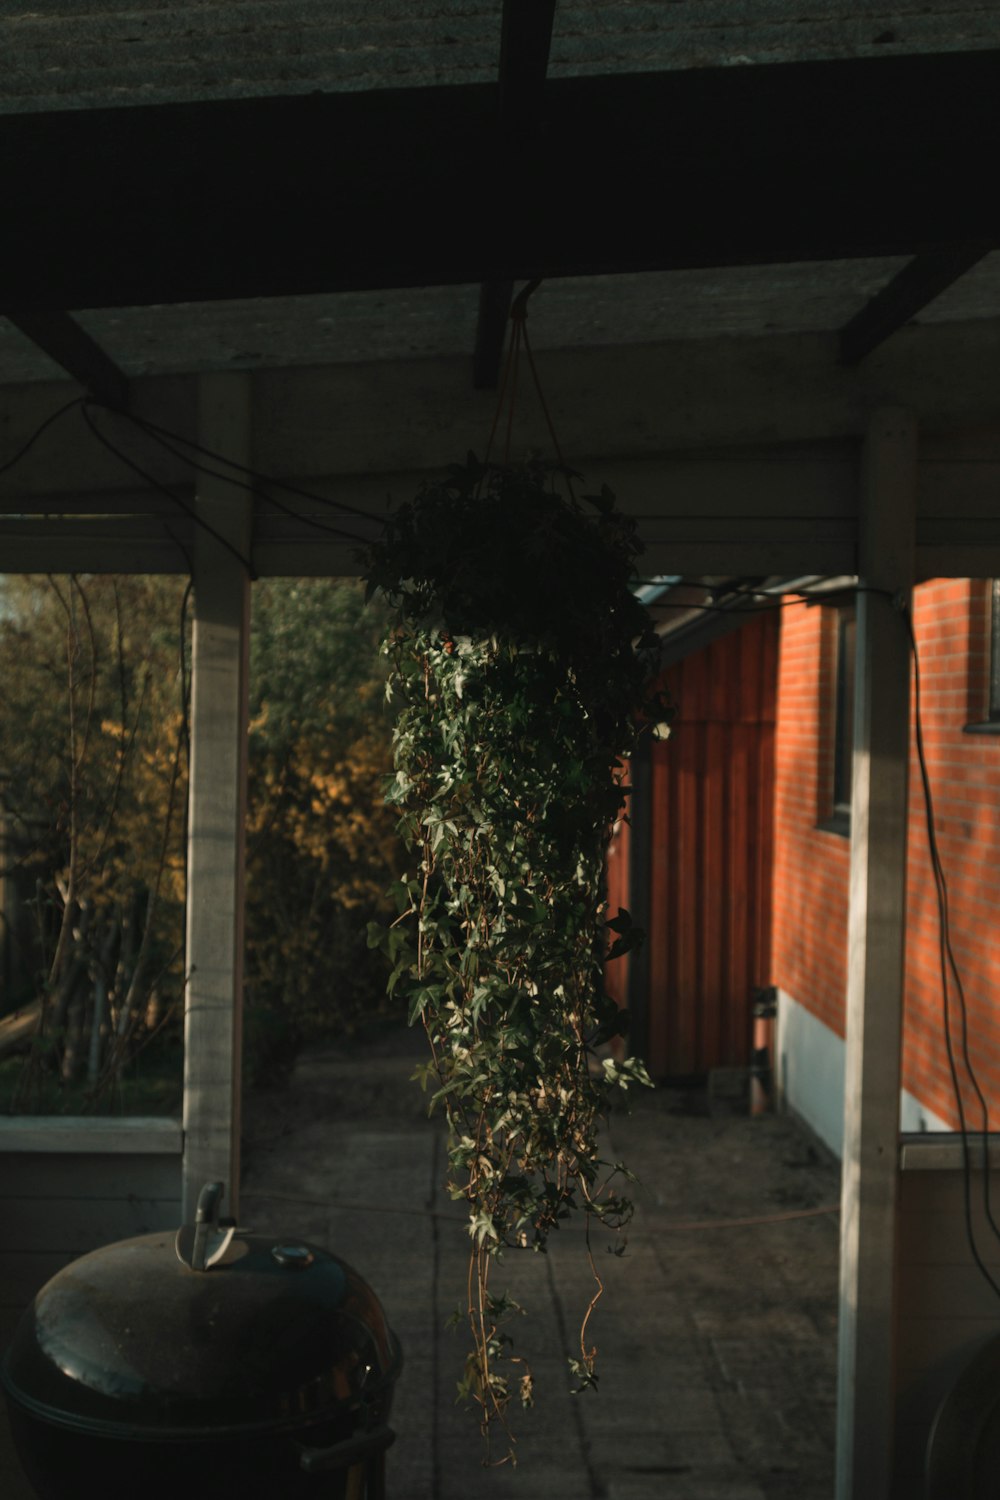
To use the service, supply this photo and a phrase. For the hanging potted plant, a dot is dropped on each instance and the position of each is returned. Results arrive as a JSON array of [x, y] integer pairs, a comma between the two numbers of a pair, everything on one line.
[[519, 657]]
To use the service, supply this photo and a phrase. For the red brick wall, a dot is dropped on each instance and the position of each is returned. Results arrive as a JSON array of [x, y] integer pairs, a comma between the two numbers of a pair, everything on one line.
[[810, 864], [951, 618]]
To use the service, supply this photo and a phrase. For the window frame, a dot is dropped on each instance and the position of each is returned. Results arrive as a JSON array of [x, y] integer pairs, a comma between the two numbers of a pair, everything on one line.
[[837, 723], [984, 696]]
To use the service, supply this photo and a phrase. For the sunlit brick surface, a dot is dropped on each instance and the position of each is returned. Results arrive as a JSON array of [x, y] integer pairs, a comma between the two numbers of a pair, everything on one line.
[[811, 864]]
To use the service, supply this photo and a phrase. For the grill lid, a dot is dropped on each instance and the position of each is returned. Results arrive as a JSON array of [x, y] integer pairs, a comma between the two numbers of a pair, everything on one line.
[[133, 1340]]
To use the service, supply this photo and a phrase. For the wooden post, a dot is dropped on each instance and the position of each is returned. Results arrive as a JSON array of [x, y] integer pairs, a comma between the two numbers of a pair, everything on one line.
[[876, 929], [217, 804]]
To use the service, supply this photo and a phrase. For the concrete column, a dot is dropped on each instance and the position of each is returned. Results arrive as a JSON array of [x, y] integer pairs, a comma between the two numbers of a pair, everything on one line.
[[217, 804], [876, 932]]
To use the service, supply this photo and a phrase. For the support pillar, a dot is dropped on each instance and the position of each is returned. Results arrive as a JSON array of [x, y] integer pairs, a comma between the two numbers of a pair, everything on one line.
[[217, 804], [876, 931]]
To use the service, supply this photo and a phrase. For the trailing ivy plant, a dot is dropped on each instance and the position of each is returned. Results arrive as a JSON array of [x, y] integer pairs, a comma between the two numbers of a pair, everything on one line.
[[521, 657]]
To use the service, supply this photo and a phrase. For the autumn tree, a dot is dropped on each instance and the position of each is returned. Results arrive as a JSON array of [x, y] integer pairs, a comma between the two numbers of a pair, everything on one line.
[[93, 792], [322, 845]]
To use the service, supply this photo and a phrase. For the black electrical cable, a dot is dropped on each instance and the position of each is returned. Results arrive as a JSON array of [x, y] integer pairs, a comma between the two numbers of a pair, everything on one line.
[[26, 448], [250, 487], [163, 436], [155, 430], [948, 962], [157, 484], [184, 551]]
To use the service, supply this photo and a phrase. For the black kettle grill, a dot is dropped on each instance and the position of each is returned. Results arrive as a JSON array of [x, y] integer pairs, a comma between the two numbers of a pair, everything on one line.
[[208, 1359]]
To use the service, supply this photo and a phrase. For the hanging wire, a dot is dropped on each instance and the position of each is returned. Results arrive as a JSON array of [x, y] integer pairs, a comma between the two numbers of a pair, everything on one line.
[[509, 369], [155, 430], [949, 970], [949, 965], [517, 339], [544, 404], [250, 487], [156, 484], [42, 427]]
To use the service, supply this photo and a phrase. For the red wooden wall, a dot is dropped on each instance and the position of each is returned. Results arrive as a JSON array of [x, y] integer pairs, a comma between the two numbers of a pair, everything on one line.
[[708, 805]]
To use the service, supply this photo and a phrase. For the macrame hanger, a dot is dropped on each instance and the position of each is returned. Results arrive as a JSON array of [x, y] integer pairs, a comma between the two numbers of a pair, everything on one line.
[[518, 336]]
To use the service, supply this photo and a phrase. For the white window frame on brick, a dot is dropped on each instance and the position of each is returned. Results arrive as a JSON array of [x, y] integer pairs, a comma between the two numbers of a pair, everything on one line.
[[989, 701], [837, 724]]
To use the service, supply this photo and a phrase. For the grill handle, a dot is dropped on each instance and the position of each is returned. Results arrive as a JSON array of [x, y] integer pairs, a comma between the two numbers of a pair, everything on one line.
[[206, 1219], [343, 1455]]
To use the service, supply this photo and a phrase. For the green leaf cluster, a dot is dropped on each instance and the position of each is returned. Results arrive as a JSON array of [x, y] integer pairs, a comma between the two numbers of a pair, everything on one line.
[[518, 659]]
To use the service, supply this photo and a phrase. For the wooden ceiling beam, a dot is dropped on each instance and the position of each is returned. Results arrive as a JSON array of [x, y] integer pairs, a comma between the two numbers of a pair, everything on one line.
[[72, 348], [393, 188], [525, 41], [914, 288], [491, 326]]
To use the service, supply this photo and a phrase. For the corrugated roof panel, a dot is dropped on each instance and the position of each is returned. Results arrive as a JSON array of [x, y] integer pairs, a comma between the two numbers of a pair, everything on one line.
[[632, 36], [575, 312], [745, 301], [265, 333], [72, 54]]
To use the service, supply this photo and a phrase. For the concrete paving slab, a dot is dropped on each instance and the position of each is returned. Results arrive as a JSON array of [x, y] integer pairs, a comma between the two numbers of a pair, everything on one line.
[[717, 1345]]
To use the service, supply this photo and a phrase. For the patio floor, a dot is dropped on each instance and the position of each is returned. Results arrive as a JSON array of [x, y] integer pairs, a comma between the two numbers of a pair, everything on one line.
[[717, 1344]]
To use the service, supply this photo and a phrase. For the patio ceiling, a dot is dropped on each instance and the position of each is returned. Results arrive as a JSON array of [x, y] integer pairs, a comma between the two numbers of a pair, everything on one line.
[[735, 211], [580, 312], [71, 54], [257, 185]]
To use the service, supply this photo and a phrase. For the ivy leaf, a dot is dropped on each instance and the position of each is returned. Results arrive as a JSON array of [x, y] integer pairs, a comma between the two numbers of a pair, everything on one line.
[[377, 935], [482, 1228], [583, 1372], [519, 686], [627, 943], [418, 1005], [604, 502]]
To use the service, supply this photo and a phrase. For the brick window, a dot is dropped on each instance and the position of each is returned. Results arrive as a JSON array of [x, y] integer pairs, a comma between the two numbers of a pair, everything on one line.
[[984, 661], [837, 721], [993, 693], [843, 745]]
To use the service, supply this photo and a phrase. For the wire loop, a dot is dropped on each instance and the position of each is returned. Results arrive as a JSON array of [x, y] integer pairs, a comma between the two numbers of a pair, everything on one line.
[[518, 317]]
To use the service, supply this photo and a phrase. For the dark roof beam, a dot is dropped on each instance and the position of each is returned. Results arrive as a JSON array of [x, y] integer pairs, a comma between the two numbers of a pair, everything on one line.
[[71, 347], [525, 40], [914, 288], [128, 207], [494, 306]]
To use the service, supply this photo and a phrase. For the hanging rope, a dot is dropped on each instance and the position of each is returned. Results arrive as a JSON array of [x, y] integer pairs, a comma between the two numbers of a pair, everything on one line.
[[518, 337]]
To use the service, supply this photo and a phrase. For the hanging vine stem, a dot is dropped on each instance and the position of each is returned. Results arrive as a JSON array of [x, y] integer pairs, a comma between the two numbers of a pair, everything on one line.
[[521, 661]]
